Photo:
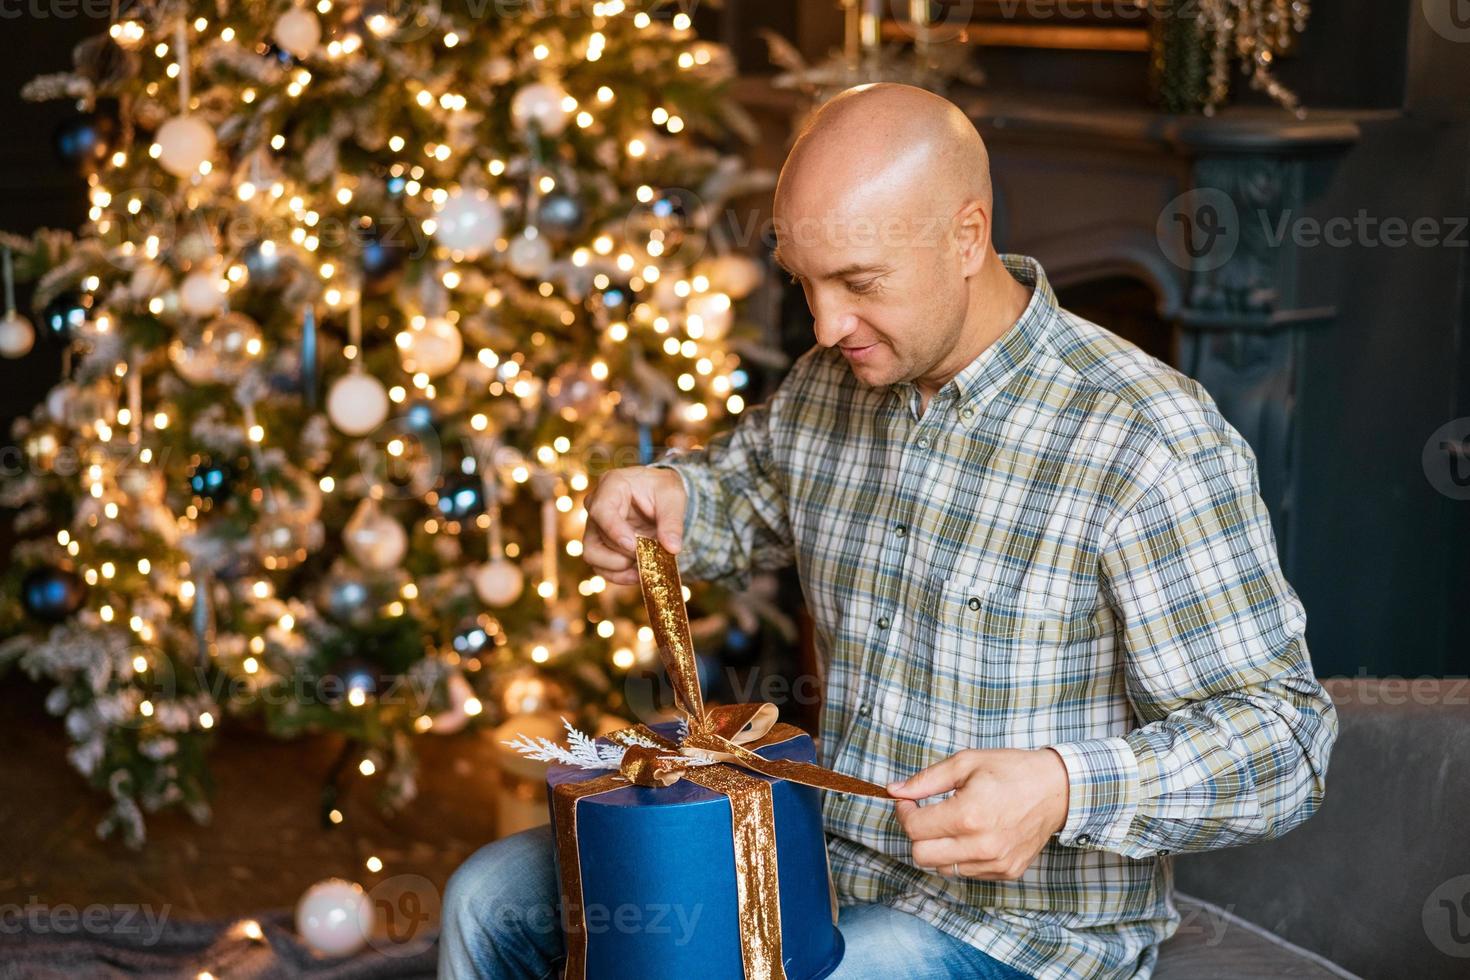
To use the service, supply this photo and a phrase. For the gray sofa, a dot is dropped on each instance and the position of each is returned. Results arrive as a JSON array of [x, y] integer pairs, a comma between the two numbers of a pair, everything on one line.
[[1377, 884]]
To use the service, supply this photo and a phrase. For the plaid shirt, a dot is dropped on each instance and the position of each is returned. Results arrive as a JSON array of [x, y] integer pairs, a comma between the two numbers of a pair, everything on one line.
[[1068, 549]]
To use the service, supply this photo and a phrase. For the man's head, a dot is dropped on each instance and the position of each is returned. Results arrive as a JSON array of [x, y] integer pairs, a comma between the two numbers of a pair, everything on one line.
[[882, 213]]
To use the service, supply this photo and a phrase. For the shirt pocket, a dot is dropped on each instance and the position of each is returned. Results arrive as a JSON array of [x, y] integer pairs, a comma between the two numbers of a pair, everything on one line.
[[1002, 661]]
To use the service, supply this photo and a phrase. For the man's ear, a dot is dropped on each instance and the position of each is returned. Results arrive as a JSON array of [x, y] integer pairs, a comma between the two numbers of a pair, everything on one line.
[[972, 236]]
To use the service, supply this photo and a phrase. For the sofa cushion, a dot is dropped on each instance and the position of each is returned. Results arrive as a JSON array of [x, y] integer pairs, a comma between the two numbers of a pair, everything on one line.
[[1379, 880], [1213, 944]]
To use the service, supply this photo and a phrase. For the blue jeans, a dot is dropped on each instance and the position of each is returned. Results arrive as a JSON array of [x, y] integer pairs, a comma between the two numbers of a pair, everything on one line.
[[501, 921]]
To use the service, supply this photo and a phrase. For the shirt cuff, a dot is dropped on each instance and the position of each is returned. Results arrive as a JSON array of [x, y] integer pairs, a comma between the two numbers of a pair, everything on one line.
[[1102, 786], [691, 494]]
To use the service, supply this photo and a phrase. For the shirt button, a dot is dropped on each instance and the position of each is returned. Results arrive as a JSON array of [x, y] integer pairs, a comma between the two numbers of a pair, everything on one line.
[[901, 530], [974, 602], [923, 442], [865, 709], [1084, 839], [967, 413], [882, 622], [1163, 852]]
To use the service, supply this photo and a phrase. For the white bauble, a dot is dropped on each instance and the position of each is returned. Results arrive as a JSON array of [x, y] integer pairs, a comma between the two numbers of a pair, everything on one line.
[[285, 538], [374, 540], [469, 221], [736, 274], [184, 142], [298, 32], [498, 582], [357, 404], [202, 293], [529, 255], [453, 718], [335, 917], [431, 345], [220, 352], [149, 279], [542, 104], [58, 401], [715, 311], [17, 336]]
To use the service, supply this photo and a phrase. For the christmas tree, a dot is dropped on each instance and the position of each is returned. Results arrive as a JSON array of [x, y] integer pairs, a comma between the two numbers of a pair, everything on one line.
[[367, 298]]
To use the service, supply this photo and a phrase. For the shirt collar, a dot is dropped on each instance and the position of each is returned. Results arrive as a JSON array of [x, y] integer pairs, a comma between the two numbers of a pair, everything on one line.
[[983, 377]]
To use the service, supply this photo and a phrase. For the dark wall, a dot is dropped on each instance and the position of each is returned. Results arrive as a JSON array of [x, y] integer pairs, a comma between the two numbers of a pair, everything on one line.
[[35, 190]]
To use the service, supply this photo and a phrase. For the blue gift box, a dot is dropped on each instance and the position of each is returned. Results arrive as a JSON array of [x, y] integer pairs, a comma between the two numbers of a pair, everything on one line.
[[658, 876]]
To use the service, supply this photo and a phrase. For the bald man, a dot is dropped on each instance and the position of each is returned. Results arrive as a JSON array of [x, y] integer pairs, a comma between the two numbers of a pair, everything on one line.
[[1044, 586]]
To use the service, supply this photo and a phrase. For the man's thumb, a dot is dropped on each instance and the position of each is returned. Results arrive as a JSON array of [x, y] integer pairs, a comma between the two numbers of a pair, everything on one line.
[[670, 529], [938, 778], [670, 519]]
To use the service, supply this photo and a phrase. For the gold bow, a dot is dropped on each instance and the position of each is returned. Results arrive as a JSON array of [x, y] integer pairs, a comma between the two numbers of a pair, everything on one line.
[[726, 734]]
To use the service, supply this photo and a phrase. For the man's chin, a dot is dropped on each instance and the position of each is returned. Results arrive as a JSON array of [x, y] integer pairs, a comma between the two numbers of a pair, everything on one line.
[[875, 370]]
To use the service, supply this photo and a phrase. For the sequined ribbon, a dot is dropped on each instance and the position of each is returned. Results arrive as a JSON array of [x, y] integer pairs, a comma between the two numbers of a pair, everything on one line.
[[728, 734]]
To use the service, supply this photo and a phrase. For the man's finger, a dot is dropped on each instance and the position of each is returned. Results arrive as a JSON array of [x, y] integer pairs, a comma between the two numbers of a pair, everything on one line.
[[942, 853], [600, 553], [609, 509], [943, 819], [939, 778]]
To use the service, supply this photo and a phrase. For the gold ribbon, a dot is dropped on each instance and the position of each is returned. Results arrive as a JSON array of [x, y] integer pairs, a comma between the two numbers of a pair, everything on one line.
[[727, 734]]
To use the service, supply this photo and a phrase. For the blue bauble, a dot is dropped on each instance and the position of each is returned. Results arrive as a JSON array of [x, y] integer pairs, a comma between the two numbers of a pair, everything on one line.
[[561, 215], [348, 675], [84, 140], [462, 499], [65, 315], [617, 300], [672, 208], [212, 479], [470, 639], [52, 594], [383, 253], [262, 262], [419, 416], [274, 52]]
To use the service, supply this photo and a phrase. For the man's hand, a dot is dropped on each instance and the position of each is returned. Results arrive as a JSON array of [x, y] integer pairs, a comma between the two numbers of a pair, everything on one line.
[[1007, 803], [628, 502]]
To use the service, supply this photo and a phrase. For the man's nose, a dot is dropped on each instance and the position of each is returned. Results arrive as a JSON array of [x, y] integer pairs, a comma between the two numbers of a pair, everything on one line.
[[831, 328]]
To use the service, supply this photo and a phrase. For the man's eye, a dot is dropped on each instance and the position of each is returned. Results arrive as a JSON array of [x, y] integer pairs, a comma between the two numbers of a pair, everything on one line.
[[863, 288]]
